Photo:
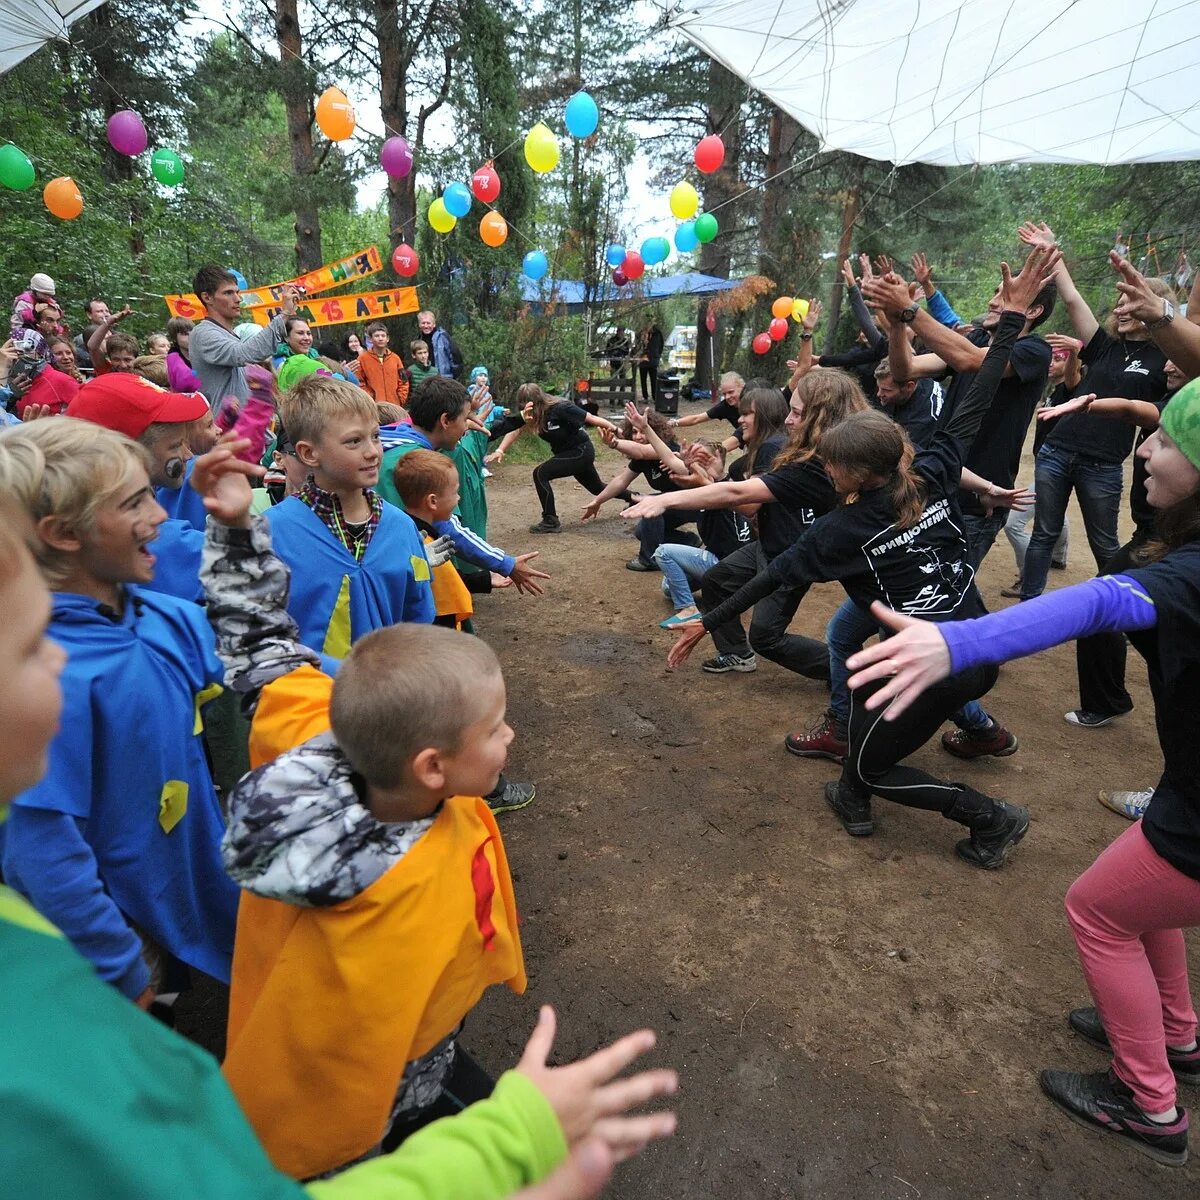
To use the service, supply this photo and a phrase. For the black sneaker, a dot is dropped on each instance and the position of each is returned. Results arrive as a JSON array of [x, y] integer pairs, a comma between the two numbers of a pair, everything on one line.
[[725, 663], [1101, 1101], [989, 845], [547, 525], [1086, 1022], [853, 812], [1090, 720], [511, 797], [637, 563]]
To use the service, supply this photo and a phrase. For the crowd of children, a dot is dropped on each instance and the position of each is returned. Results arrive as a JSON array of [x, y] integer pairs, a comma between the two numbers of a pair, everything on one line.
[[250, 731]]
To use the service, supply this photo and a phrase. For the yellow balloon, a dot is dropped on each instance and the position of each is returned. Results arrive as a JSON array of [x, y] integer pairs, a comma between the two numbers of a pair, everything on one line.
[[685, 200], [440, 218], [799, 309], [541, 149]]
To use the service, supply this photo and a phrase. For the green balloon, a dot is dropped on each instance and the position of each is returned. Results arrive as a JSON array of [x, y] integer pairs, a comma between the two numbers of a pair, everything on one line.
[[16, 171], [706, 227], [167, 167]]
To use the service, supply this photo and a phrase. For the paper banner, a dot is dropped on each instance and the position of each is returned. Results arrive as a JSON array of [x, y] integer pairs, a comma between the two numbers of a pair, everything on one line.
[[339, 310], [356, 266]]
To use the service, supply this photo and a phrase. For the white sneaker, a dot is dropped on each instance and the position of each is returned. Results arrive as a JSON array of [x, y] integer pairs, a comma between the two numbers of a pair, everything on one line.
[[486, 473], [1130, 805]]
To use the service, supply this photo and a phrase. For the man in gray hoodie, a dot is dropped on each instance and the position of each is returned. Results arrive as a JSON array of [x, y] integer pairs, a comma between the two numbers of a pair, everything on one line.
[[218, 355]]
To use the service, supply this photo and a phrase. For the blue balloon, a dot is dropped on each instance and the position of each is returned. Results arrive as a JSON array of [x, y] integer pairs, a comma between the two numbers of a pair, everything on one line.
[[582, 115], [535, 264], [457, 199], [685, 237], [614, 255], [240, 280], [655, 250]]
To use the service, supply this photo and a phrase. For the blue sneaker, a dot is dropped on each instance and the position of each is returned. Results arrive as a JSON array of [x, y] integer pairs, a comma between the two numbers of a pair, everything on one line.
[[677, 619]]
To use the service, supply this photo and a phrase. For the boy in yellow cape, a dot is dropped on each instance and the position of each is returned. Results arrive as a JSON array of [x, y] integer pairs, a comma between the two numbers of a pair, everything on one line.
[[378, 904]]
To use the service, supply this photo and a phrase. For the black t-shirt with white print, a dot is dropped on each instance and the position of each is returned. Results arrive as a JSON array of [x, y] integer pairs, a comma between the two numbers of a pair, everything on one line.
[[802, 493], [918, 415], [651, 469], [564, 427], [922, 571], [722, 530], [1115, 367]]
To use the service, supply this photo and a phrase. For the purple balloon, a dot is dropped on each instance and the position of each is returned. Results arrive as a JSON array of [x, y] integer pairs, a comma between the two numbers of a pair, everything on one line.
[[396, 157], [126, 133]]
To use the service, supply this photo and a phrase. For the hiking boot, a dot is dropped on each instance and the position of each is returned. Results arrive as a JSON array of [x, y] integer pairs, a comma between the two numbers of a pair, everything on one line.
[[1013, 591], [1130, 805], [1101, 1101], [547, 525], [724, 663], [637, 563], [510, 796], [990, 844], [1090, 720], [1185, 1064], [994, 740], [823, 740], [853, 811]]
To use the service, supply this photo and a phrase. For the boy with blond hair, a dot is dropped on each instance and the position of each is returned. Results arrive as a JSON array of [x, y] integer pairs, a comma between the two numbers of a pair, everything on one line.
[[118, 844], [357, 563]]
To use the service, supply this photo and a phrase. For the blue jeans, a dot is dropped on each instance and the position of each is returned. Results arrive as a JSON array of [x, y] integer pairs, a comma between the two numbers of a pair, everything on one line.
[[683, 567], [981, 532], [845, 634], [653, 532], [1016, 529], [1097, 486]]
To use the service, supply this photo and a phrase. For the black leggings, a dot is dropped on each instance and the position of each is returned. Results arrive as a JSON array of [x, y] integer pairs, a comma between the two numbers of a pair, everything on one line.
[[579, 463], [1100, 658], [769, 625], [878, 747]]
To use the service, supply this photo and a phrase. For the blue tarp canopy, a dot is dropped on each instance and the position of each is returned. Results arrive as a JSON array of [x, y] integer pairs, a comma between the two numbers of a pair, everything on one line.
[[570, 293]]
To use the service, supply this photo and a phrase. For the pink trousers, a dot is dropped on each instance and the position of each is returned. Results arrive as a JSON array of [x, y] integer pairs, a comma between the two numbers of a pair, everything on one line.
[[1128, 911]]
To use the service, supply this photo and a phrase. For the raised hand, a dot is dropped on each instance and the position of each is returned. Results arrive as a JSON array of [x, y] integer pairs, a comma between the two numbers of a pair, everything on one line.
[[524, 576], [587, 1097], [1137, 300], [1037, 234], [289, 299], [888, 292], [1018, 292], [1064, 341], [638, 419], [223, 480], [915, 658], [813, 315], [864, 267], [920, 269], [885, 264], [848, 275]]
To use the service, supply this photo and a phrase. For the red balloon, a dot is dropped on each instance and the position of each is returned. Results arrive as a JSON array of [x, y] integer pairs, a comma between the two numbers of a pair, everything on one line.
[[406, 262], [710, 153], [633, 266], [761, 343], [485, 183], [778, 329], [710, 322], [619, 277]]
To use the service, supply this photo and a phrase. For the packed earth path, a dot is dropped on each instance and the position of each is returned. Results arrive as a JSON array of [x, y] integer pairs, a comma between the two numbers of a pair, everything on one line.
[[850, 1018]]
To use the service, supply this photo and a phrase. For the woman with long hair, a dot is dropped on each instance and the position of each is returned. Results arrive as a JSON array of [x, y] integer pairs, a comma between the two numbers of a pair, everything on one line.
[[786, 479], [179, 366], [63, 354], [898, 535], [562, 426], [296, 355], [1128, 910]]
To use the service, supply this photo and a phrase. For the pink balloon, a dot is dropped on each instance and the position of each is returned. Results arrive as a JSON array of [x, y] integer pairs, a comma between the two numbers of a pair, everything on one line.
[[396, 157], [761, 343], [778, 329], [710, 322], [126, 133]]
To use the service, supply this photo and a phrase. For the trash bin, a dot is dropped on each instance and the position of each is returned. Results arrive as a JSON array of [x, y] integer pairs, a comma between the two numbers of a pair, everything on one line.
[[668, 394]]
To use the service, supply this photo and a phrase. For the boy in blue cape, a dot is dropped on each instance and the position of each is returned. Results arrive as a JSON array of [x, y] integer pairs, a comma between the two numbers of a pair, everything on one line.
[[160, 422], [357, 564], [119, 843]]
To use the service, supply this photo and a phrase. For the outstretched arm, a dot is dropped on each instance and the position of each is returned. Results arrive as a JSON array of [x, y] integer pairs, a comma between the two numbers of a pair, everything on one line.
[[1136, 412], [1178, 339], [729, 494], [1082, 317], [616, 485]]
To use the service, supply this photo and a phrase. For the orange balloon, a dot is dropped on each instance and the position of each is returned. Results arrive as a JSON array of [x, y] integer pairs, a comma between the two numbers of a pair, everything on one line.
[[782, 307], [335, 115], [63, 198], [493, 229]]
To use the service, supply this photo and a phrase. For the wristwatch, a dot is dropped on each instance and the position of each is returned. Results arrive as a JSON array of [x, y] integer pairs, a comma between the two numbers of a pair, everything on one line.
[[909, 314], [806, 335], [1168, 315]]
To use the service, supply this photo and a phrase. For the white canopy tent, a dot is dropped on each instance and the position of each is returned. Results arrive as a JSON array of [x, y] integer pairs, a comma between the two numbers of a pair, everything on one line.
[[969, 81], [27, 25]]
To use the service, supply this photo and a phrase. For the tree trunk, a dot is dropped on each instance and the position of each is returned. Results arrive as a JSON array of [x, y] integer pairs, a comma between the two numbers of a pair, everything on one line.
[[297, 99], [725, 93], [393, 108], [851, 203]]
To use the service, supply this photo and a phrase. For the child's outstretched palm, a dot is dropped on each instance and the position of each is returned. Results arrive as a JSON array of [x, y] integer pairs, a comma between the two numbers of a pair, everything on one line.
[[223, 480]]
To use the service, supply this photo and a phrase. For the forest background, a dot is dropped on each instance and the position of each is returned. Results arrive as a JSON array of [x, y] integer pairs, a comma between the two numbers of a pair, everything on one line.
[[265, 193]]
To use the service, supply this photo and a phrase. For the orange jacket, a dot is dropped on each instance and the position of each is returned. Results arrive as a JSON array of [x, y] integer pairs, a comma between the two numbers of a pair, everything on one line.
[[328, 1005], [383, 377]]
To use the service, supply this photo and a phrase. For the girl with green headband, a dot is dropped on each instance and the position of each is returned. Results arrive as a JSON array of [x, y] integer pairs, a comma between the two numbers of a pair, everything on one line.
[[1129, 909]]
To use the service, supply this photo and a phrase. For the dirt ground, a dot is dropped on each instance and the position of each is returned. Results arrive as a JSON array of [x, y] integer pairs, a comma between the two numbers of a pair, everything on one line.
[[850, 1018]]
